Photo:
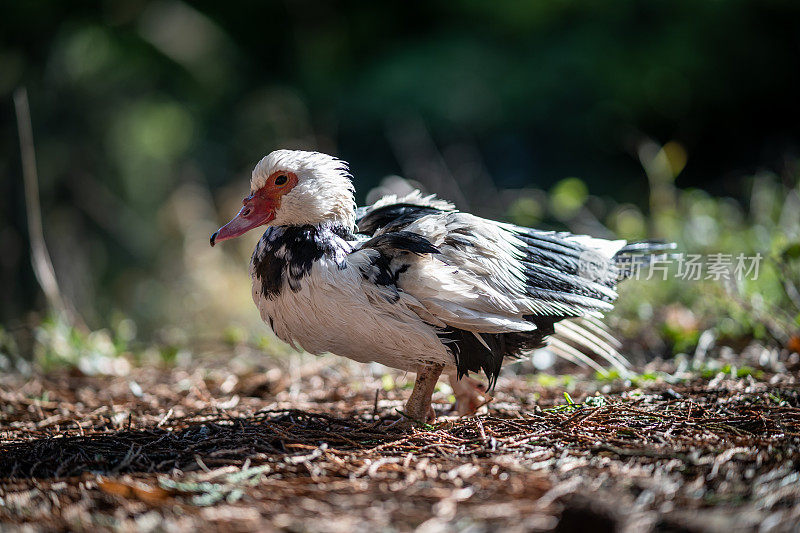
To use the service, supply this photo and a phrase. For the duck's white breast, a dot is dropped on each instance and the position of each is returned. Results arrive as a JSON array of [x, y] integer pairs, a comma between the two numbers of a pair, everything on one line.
[[336, 310]]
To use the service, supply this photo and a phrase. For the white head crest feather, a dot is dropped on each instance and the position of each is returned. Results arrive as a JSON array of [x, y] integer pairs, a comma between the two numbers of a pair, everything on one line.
[[324, 190]]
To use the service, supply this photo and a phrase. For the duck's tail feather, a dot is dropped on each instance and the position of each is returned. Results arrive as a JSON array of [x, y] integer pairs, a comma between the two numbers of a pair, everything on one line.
[[587, 335], [635, 255], [648, 247]]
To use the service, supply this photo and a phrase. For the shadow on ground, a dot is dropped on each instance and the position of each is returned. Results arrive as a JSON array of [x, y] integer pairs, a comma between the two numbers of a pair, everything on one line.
[[212, 443]]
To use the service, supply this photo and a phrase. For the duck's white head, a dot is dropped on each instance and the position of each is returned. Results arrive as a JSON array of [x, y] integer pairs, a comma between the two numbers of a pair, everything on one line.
[[293, 188]]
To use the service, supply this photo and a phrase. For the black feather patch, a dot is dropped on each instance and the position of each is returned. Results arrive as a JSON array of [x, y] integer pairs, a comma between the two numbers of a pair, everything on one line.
[[269, 270], [473, 356], [287, 254], [392, 217], [387, 265], [557, 270], [401, 241]]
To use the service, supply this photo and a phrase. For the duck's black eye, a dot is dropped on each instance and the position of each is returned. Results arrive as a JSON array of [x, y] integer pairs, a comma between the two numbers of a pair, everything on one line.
[[281, 180]]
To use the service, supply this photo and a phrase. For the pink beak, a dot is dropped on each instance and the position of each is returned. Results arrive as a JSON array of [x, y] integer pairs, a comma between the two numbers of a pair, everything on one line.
[[257, 211]]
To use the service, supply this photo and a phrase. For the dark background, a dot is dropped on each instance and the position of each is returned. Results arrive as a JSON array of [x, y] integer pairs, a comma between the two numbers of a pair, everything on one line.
[[148, 117]]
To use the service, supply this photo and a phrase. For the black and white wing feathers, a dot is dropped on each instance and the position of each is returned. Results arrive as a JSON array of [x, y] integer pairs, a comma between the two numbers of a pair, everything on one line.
[[497, 289]]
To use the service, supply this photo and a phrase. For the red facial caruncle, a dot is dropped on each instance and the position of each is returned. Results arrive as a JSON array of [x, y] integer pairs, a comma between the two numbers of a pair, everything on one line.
[[259, 208]]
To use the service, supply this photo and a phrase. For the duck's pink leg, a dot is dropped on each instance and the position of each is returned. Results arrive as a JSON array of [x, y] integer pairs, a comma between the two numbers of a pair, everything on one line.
[[419, 408], [470, 394]]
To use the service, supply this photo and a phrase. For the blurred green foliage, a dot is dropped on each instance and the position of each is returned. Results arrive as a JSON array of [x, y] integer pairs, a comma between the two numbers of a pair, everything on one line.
[[97, 352], [762, 305]]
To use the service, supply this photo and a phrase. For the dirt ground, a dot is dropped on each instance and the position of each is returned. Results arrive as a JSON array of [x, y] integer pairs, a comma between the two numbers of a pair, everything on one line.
[[307, 448]]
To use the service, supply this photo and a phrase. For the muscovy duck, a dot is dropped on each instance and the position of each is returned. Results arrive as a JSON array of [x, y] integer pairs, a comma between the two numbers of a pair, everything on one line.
[[417, 285]]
